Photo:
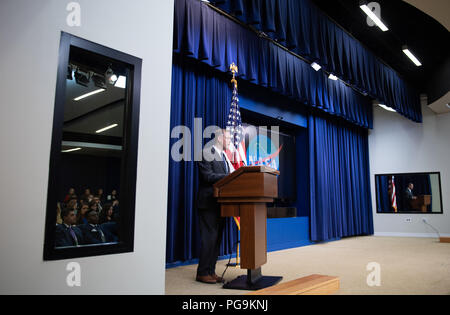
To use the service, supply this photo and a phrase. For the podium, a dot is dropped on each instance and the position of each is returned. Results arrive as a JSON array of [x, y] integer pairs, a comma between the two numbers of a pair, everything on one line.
[[245, 194], [421, 203]]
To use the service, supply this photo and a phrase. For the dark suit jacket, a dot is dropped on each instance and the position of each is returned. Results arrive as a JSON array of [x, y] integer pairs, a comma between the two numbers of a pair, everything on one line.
[[92, 235], [210, 173], [64, 238]]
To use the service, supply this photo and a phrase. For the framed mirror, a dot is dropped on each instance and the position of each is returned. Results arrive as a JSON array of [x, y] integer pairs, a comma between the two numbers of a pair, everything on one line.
[[409, 193], [93, 159]]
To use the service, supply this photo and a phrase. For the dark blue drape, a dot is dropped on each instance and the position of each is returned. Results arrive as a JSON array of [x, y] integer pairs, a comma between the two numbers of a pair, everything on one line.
[[307, 31], [339, 180], [203, 34], [382, 191], [197, 92]]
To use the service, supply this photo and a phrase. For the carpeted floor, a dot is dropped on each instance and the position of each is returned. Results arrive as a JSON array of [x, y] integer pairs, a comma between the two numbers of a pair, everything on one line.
[[408, 266]]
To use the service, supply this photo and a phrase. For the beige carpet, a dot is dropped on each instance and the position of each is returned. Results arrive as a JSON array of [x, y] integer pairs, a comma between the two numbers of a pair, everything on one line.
[[408, 266]]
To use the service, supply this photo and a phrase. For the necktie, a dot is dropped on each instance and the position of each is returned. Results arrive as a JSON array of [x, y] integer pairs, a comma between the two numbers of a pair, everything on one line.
[[225, 163], [102, 235], [74, 236]]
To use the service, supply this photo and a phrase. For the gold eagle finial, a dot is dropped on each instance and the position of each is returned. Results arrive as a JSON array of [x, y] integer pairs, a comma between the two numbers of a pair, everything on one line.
[[234, 70]]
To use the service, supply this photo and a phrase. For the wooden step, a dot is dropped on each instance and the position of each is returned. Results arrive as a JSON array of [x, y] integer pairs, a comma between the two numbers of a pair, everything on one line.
[[310, 285], [445, 239]]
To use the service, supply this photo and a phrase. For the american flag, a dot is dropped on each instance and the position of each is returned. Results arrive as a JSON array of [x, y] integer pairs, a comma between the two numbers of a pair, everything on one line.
[[236, 152], [394, 195]]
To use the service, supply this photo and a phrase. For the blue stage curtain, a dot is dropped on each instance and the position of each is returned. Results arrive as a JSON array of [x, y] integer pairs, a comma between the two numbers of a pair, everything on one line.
[[307, 31], [339, 179], [203, 34], [197, 92], [383, 197]]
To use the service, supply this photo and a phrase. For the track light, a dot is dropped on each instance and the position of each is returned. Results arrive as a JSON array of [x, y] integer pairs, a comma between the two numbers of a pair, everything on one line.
[[82, 79], [99, 81], [111, 78], [363, 5], [316, 66], [79, 98], [106, 128], [333, 77], [410, 55], [71, 150]]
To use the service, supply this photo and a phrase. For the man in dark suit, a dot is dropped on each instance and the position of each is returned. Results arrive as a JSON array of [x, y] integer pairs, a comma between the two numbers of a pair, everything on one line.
[[92, 232], [213, 168], [409, 197], [66, 234]]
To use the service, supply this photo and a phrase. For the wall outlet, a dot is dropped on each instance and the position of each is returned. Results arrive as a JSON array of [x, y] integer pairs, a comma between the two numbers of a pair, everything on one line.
[[424, 220], [408, 220]]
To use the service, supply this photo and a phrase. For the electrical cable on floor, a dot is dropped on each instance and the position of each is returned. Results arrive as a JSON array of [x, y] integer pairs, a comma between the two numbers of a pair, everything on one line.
[[229, 260]]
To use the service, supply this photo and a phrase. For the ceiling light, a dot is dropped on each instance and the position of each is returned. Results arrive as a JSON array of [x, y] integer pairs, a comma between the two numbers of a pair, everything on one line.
[[88, 94], [121, 82], [82, 79], [106, 128], [373, 17], [333, 77], [316, 66], [99, 81], [387, 108], [448, 105], [71, 150], [111, 78], [411, 56]]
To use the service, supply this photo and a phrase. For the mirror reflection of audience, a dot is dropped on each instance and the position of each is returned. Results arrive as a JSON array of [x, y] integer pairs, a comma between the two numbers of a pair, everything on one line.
[[88, 220], [107, 213], [67, 234], [92, 232], [409, 196]]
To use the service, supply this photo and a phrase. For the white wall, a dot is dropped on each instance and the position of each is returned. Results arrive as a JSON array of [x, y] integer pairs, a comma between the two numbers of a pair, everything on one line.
[[29, 43], [399, 145]]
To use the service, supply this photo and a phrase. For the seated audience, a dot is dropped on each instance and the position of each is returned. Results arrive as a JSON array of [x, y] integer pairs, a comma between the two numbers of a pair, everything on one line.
[[101, 195], [66, 234], [81, 215], [92, 232], [99, 204], [69, 195], [113, 196], [106, 215]]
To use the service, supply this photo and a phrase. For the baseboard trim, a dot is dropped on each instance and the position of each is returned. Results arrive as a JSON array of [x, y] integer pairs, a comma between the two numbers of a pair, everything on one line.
[[418, 235]]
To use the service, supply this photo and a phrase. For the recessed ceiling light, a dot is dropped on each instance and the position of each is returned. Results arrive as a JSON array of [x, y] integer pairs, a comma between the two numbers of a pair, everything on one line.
[[106, 128], [387, 108], [373, 17], [71, 150], [316, 66], [333, 77], [88, 94], [411, 56]]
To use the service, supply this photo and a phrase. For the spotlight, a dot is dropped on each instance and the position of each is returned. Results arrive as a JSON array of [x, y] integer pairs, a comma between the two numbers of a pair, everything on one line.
[[99, 81], [111, 78], [82, 79], [333, 77], [69, 73], [316, 66], [121, 82]]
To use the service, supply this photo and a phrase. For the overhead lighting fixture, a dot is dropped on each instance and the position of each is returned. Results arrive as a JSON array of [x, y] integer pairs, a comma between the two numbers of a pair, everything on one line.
[[387, 108], [333, 77], [111, 78], [373, 17], [448, 105], [316, 66], [88, 94], [69, 73], [99, 81], [121, 82], [411, 56], [71, 150], [82, 79], [106, 128]]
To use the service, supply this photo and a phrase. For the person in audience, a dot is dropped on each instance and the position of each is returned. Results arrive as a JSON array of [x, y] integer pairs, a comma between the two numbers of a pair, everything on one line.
[[73, 204], [106, 215], [113, 196], [58, 214], [66, 234], [92, 232], [69, 195], [86, 194], [81, 215], [101, 195], [93, 206], [99, 204]]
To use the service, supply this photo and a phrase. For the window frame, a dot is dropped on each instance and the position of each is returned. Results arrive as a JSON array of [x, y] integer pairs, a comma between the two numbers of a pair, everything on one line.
[[128, 177]]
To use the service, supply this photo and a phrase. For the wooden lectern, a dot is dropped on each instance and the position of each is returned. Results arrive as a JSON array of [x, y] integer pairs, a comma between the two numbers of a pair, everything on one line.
[[421, 203], [244, 194]]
